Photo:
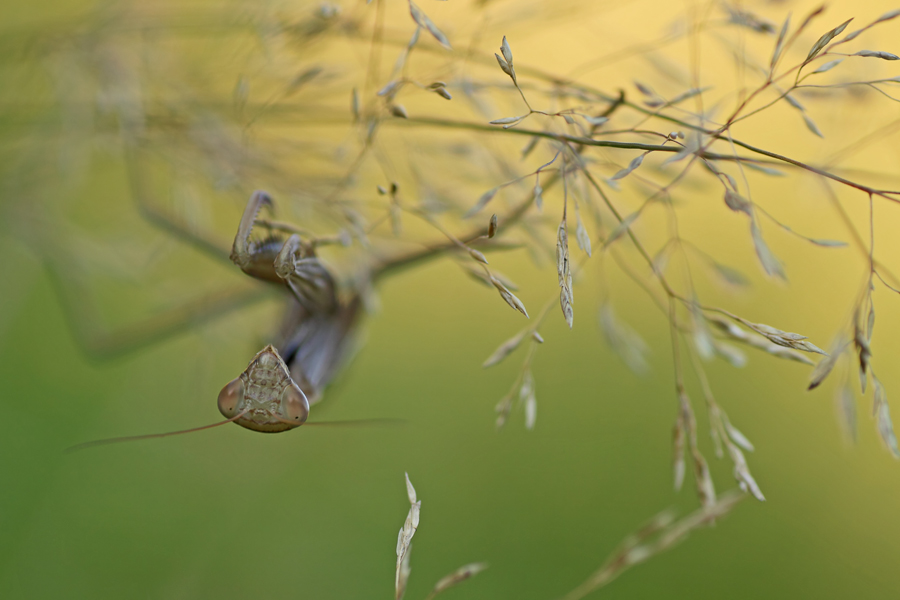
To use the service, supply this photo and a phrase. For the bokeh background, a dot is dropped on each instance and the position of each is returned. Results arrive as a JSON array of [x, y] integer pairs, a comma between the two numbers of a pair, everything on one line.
[[314, 513]]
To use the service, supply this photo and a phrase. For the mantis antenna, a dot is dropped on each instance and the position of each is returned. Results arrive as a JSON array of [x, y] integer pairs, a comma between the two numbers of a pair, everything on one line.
[[263, 398], [135, 438]]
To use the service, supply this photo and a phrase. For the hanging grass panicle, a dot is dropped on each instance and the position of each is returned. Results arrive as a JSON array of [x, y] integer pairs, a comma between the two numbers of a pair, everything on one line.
[[404, 546], [404, 540], [564, 273], [662, 533], [713, 146]]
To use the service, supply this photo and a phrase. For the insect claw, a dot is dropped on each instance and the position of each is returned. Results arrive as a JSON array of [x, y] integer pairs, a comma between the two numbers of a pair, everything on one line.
[[240, 250], [284, 262]]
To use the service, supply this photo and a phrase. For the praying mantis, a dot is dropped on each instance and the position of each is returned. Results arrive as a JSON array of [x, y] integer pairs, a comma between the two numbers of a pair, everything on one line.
[[274, 393]]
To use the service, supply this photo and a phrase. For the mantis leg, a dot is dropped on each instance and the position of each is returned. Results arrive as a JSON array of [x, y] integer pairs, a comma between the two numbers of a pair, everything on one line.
[[245, 253], [308, 279], [100, 342], [293, 262], [82, 312], [206, 243]]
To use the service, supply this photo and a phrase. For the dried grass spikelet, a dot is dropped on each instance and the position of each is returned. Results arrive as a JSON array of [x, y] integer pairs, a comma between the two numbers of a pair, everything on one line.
[[423, 21], [784, 338], [564, 273], [508, 122], [828, 66], [758, 341], [703, 479], [687, 96], [492, 226], [634, 164], [457, 577], [870, 321], [727, 435], [678, 438], [807, 120], [845, 401], [730, 275], [763, 169], [596, 121], [503, 408], [883, 418], [686, 431], [508, 296], [581, 234], [538, 196], [734, 356], [742, 473], [506, 61], [390, 89], [626, 342], [482, 200], [703, 340], [779, 43], [863, 349], [506, 50], [506, 348], [738, 203], [528, 397], [303, 78], [876, 54], [747, 19], [692, 144], [734, 438], [530, 146], [825, 39], [811, 125], [523, 389], [404, 539], [478, 256], [440, 88], [480, 276], [826, 365]]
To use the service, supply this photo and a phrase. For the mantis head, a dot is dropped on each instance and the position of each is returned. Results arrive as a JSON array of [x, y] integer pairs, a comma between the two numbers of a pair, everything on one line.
[[264, 397]]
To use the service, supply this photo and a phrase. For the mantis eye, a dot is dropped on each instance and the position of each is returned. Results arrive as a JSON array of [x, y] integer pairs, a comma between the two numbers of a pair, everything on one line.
[[230, 398], [295, 407]]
